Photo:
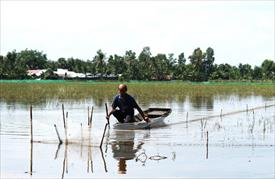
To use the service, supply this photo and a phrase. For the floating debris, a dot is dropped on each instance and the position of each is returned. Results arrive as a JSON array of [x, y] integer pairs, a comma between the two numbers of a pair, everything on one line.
[[157, 157]]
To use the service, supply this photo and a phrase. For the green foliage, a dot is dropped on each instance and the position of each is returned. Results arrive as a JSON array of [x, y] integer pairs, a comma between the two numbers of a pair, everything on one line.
[[15, 64], [131, 66], [49, 75]]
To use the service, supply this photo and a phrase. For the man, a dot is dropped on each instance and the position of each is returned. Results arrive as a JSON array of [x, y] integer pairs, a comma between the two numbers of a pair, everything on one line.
[[126, 104]]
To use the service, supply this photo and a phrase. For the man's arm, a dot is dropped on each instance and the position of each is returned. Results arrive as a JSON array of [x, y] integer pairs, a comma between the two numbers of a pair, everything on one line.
[[141, 113], [114, 105], [110, 113]]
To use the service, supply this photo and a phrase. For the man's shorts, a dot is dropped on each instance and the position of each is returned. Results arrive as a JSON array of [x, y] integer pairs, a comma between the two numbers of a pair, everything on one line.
[[123, 117]]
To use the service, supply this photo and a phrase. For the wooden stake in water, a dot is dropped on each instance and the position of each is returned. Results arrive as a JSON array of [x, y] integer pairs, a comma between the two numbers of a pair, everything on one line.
[[88, 116], [64, 166], [221, 113], [107, 113], [31, 130], [91, 117], [81, 146], [31, 140], [81, 132], [107, 124], [63, 114], [65, 126], [57, 133], [246, 108], [104, 162], [206, 144], [57, 150], [253, 113], [186, 119], [31, 156], [103, 135]]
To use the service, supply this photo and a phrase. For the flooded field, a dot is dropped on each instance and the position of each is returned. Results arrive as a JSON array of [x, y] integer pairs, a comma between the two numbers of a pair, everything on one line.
[[214, 130]]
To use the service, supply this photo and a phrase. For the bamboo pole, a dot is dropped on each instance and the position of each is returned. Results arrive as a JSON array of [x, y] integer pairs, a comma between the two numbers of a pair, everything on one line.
[[104, 162], [91, 117], [81, 132], [89, 154], [31, 129], [31, 140], [57, 133], [107, 113], [31, 157], [64, 162], [186, 119], [88, 163], [206, 144], [81, 147], [63, 113], [64, 123], [107, 124], [103, 135], [88, 116], [57, 150]]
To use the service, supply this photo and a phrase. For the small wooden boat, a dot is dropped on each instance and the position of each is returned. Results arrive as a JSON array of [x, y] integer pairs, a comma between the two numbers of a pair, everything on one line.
[[155, 115]]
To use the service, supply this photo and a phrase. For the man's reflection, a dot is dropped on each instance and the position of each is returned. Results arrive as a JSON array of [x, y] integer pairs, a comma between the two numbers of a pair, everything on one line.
[[124, 149]]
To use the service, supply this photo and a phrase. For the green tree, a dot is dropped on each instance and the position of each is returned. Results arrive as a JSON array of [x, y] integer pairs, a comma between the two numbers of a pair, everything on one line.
[[62, 63], [245, 71], [144, 59], [116, 65], [31, 59], [257, 73], [197, 61], [180, 69], [132, 70], [268, 69], [100, 64], [208, 63]]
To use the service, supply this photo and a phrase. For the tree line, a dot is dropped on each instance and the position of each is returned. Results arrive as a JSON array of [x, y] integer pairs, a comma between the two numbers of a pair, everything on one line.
[[132, 66]]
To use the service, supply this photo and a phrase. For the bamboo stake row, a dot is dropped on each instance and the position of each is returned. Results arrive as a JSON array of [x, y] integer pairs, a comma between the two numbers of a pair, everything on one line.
[[65, 120]]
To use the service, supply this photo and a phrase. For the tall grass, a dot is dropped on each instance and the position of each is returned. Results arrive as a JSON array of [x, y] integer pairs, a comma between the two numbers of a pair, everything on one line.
[[146, 92]]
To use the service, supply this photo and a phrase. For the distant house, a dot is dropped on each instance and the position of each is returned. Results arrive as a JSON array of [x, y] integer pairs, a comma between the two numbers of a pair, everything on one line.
[[65, 73], [36, 73], [61, 72]]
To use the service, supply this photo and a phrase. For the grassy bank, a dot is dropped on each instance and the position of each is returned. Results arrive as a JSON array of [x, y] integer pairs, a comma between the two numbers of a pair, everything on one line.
[[34, 91]]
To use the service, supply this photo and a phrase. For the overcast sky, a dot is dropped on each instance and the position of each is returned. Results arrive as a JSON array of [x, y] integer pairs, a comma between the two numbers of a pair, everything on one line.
[[238, 31]]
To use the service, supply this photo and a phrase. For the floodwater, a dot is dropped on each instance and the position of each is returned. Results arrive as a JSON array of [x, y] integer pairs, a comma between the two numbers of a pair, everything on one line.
[[240, 145]]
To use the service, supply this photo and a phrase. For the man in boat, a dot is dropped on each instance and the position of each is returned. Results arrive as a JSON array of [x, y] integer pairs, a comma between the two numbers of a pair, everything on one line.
[[126, 104]]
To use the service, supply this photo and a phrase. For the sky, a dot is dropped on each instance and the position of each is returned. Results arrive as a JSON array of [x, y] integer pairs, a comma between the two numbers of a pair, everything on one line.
[[238, 31]]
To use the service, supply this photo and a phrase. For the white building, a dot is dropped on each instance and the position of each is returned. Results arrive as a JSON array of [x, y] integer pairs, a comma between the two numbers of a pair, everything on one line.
[[68, 74], [37, 72]]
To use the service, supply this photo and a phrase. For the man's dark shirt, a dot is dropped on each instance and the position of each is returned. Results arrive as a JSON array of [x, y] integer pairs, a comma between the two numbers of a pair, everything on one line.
[[125, 105]]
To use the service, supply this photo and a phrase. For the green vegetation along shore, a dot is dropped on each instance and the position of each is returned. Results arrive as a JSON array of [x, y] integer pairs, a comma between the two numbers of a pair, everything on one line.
[[32, 92], [132, 66]]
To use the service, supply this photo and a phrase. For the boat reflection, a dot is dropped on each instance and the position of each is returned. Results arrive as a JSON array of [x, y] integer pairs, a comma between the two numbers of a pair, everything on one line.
[[124, 148]]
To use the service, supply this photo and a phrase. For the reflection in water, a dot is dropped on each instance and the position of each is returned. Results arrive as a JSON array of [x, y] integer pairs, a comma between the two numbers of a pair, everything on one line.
[[200, 102], [124, 149]]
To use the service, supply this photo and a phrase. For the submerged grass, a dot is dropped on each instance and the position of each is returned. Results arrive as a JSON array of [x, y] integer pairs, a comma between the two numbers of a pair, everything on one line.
[[38, 92]]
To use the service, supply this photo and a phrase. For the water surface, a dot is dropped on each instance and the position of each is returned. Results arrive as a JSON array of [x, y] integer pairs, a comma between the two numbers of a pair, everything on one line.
[[239, 145]]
